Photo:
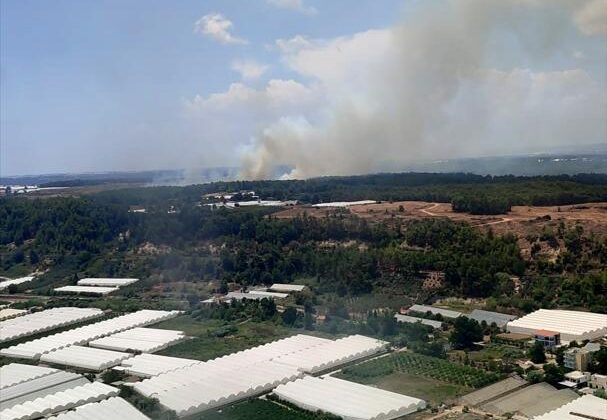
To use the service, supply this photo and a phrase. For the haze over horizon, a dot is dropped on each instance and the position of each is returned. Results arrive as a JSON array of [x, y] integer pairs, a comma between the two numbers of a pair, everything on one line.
[[318, 86]]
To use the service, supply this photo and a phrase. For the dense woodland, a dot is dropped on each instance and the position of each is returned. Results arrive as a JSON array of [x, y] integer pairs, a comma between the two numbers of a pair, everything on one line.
[[97, 236]]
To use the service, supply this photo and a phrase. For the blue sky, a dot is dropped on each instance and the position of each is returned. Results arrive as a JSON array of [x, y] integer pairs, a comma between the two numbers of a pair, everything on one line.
[[128, 84]]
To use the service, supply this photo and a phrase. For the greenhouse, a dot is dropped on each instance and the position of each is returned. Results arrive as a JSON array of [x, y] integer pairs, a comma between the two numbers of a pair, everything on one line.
[[147, 365], [106, 282], [414, 320], [85, 358], [16, 373], [144, 340], [114, 408], [91, 290], [572, 325], [59, 401], [585, 407], [37, 322], [82, 335], [349, 400]]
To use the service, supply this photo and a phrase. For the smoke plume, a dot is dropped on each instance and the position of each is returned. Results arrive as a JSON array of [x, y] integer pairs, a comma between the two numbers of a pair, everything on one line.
[[437, 86]]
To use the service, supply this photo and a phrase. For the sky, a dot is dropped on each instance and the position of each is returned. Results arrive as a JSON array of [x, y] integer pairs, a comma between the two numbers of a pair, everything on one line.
[[326, 87]]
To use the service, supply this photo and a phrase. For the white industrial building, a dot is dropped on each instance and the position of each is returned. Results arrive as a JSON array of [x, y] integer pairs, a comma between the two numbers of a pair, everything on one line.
[[82, 357], [82, 335], [46, 320], [348, 400], [571, 325], [106, 282], [585, 407], [114, 408], [144, 340]]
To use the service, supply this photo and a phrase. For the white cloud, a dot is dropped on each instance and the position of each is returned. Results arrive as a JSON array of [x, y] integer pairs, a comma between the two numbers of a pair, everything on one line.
[[215, 26], [296, 5], [591, 17], [249, 69], [293, 45]]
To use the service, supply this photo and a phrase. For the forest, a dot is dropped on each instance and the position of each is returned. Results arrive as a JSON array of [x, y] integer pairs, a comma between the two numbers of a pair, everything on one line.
[[96, 235]]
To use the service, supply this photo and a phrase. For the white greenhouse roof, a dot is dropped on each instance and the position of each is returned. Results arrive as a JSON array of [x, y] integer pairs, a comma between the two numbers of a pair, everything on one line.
[[145, 340], [46, 320], [269, 294], [349, 400], [226, 379], [85, 357], [86, 289], [60, 401], [204, 386], [445, 313], [585, 407], [491, 317], [9, 313], [147, 365], [413, 320], [282, 287], [114, 408], [16, 373], [5, 283], [39, 387], [344, 203], [572, 325], [108, 282], [82, 335], [334, 353]]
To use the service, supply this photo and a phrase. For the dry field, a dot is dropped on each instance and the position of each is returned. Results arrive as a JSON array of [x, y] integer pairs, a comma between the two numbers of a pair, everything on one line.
[[522, 220]]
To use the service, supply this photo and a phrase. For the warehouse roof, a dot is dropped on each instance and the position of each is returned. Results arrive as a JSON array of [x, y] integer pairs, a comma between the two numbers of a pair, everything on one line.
[[572, 325], [145, 340], [491, 317], [346, 399], [86, 289], [110, 282], [46, 320], [85, 357], [35, 348], [585, 407], [413, 320], [114, 408], [445, 313]]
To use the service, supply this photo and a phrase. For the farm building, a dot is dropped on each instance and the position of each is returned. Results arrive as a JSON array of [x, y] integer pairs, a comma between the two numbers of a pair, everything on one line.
[[445, 313], [491, 317], [348, 400], [413, 320], [571, 325]]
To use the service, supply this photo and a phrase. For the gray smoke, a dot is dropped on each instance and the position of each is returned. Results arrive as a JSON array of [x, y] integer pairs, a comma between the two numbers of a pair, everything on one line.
[[437, 92]]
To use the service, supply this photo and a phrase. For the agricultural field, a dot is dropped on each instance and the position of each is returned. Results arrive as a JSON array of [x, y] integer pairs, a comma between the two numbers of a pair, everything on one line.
[[419, 365], [214, 338]]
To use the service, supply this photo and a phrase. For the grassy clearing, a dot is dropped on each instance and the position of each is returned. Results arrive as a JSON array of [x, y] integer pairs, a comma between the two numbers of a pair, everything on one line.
[[420, 365], [427, 389], [207, 342], [258, 410]]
